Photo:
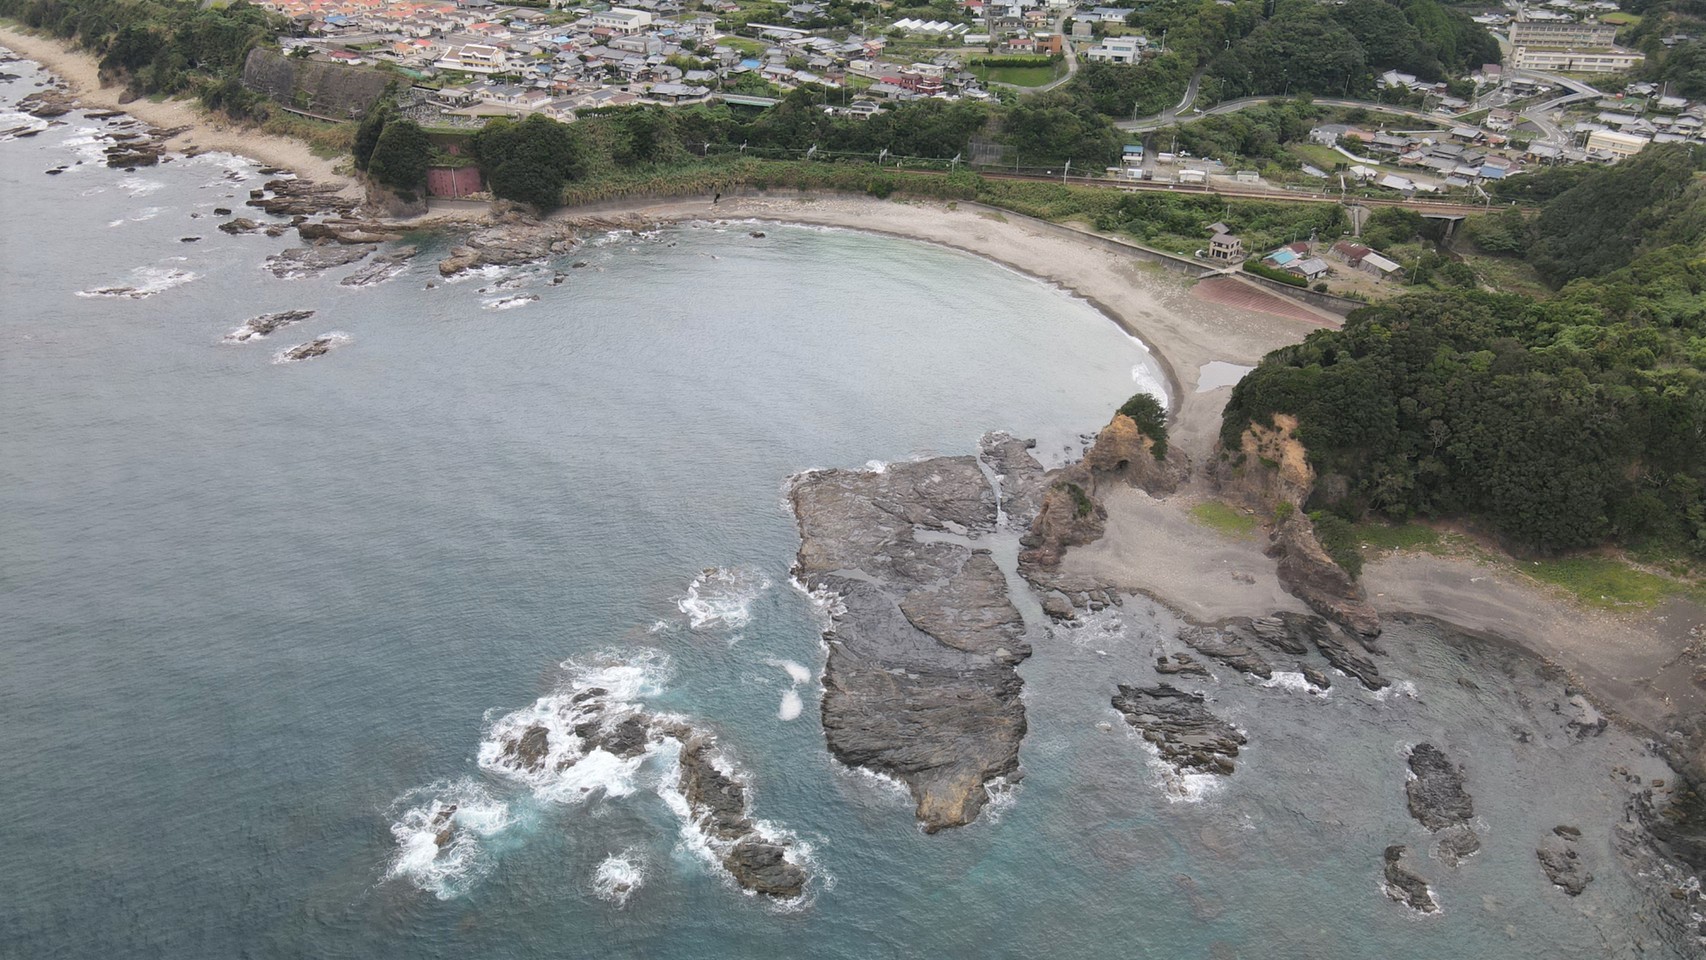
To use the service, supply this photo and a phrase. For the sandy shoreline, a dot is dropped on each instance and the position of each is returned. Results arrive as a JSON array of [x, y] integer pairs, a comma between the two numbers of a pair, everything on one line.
[[81, 74], [1633, 663]]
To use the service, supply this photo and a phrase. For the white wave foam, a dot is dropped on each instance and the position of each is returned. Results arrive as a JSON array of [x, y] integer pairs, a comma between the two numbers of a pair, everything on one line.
[[1293, 682], [1403, 688], [20, 121], [618, 876], [567, 770], [1176, 785], [720, 597], [334, 340], [510, 303], [149, 281], [628, 675], [139, 186], [791, 706], [876, 466], [795, 671], [441, 832], [826, 603]]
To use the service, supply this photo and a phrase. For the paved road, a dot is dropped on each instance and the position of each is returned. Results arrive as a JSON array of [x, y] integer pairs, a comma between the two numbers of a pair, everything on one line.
[[1166, 117], [1540, 113]]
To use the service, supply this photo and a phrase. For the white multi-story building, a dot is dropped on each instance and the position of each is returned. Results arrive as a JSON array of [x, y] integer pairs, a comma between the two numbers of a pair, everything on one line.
[[1605, 60], [1567, 33], [1117, 50], [1619, 145], [621, 20]]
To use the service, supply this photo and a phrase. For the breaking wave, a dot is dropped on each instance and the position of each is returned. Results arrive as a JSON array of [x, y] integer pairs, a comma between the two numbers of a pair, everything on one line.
[[148, 282], [720, 597], [443, 833], [619, 876]]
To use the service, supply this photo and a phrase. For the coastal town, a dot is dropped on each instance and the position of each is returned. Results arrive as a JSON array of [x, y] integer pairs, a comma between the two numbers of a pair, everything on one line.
[[1555, 98]]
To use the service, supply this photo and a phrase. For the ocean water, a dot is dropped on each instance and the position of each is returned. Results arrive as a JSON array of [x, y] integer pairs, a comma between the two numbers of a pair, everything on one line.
[[259, 619]]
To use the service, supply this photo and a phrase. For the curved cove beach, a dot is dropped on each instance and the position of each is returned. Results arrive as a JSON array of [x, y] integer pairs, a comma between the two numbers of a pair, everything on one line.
[[559, 607]]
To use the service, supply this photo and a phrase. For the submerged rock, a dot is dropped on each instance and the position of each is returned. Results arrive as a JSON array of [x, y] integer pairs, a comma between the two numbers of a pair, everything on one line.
[[1405, 886], [266, 323], [1437, 795], [1347, 661], [1561, 862], [1181, 727], [317, 347], [298, 262], [381, 268], [920, 682]]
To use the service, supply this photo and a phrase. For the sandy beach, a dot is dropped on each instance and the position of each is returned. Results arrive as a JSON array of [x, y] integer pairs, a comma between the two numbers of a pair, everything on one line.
[[206, 132]]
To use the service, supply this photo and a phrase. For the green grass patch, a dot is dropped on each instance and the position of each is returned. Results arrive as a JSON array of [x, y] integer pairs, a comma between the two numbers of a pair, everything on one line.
[[1223, 518], [1621, 19], [1318, 156], [1019, 76], [1608, 583], [1401, 536]]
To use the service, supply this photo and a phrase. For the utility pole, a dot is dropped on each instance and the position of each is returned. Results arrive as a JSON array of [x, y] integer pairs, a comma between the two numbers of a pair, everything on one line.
[[1065, 171]]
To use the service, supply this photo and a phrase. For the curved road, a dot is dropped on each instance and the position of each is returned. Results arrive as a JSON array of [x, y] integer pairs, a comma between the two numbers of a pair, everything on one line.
[[1233, 106]]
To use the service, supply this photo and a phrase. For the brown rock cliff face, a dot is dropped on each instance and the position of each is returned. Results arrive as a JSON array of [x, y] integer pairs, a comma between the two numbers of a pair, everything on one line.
[[1310, 574], [1072, 515], [1272, 468]]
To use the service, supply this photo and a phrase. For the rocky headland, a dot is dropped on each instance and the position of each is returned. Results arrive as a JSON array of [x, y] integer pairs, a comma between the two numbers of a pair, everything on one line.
[[920, 682]]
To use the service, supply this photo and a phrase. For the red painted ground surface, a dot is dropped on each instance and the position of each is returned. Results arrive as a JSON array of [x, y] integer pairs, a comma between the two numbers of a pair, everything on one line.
[[1234, 293]]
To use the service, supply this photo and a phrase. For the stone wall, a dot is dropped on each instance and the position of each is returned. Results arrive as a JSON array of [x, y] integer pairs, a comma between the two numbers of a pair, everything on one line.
[[314, 86]]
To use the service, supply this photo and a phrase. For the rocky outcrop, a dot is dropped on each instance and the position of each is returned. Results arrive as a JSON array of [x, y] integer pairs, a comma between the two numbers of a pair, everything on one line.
[[49, 103], [1230, 645], [1124, 453], [1337, 652], [346, 231], [1562, 863], [299, 197], [1270, 474], [1439, 801], [239, 225], [298, 262], [381, 268], [1070, 513], [514, 238], [1404, 885], [266, 323], [1181, 727], [716, 802], [1308, 573], [1067, 516], [317, 347], [1437, 796], [920, 683]]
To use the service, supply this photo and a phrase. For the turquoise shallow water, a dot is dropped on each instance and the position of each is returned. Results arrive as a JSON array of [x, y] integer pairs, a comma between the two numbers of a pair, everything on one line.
[[255, 613]]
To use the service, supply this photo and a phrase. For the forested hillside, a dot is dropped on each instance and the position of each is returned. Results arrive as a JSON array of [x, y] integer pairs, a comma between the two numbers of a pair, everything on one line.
[[1251, 47], [1554, 424], [160, 46]]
